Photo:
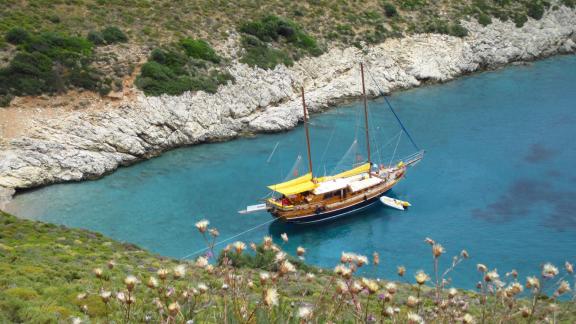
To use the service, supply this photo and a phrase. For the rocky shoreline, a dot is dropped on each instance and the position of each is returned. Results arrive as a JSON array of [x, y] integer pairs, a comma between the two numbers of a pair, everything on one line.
[[87, 145]]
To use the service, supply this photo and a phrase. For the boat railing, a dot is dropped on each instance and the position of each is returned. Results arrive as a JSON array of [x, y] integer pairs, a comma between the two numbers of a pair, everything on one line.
[[414, 158]]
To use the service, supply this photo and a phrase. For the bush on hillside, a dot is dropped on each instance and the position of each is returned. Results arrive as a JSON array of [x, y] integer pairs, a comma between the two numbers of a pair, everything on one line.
[[272, 29], [96, 38], [175, 70], [535, 9], [390, 10], [17, 36], [199, 49], [114, 35], [484, 19], [568, 3], [258, 53], [456, 29], [520, 20]]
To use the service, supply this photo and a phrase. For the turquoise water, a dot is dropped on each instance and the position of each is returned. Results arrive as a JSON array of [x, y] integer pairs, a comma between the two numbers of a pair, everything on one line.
[[498, 180]]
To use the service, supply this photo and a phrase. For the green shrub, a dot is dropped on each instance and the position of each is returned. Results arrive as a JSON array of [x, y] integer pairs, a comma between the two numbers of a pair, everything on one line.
[[568, 3], [411, 4], [114, 35], [456, 29], [17, 36], [484, 19], [390, 10], [271, 28], [96, 38], [199, 49], [520, 20], [535, 9], [260, 54], [5, 100]]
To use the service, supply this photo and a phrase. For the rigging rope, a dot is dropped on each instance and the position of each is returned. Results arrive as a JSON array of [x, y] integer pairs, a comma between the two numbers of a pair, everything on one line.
[[228, 239], [393, 112]]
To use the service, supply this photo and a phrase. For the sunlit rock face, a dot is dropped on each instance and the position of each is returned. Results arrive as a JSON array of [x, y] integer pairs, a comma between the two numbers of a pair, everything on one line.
[[86, 145]]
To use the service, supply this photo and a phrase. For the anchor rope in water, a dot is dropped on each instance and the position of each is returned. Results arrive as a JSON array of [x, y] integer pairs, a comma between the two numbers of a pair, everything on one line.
[[228, 239]]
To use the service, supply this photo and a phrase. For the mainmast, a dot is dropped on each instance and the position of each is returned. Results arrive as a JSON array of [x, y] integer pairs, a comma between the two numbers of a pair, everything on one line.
[[307, 133], [366, 118]]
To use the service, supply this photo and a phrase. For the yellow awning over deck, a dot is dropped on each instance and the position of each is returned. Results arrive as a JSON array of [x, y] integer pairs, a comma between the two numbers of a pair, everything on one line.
[[357, 170], [306, 183]]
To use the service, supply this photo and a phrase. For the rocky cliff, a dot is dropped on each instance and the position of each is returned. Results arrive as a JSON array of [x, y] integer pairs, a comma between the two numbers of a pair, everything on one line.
[[86, 145]]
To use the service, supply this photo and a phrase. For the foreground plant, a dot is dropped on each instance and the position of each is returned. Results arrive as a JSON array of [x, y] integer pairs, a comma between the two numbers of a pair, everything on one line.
[[278, 287]]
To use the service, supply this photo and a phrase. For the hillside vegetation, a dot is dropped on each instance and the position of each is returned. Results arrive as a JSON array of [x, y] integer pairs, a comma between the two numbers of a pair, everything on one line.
[[57, 37], [53, 274]]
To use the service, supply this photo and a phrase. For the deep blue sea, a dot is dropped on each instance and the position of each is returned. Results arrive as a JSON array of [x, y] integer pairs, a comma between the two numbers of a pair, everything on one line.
[[498, 179]]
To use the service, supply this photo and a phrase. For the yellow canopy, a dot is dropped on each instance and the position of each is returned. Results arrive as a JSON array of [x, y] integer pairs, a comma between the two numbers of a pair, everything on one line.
[[305, 178], [357, 170], [306, 183]]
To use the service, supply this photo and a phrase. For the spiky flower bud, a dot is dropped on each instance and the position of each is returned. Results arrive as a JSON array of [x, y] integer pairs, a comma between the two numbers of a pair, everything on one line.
[[300, 251], [401, 271], [481, 267], [376, 258], [202, 226], [437, 250], [130, 282], [98, 272], [421, 277], [284, 237], [549, 271]]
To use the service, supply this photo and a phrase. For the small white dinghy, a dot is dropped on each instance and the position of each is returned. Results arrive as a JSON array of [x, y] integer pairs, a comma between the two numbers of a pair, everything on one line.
[[253, 208], [395, 203]]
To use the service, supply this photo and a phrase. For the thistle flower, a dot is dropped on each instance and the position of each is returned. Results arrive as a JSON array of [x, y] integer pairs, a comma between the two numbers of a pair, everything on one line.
[[305, 312], [569, 267], [300, 251], [209, 268], [514, 289], [414, 318], [270, 297], [437, 250], [361, 260], [481, 267], [202, 288], [341, 287], [286, 267], [105, 295], [239, 246], [412, 301], [202, 226], [152, 283], [250, 284], [201, 262], [376, 258], [121, 297], [179, 271], [174, 308], [347, 257], [267, 242], [84, 309], [512, 273], [356, 287], [343, 270], [553, 308], [280, 256], [549, 271], [401, 270], [389, 311], [452, 292], [429, 241], [225, 286], [264, 277], [310, 277], [464, 254], [214, 232], [468, 319], [525, 311], [492, 276], [253, 246], [563, 288], [370, 285], [130, 282], [532, 283], [98, 272], [421, 277], [162, 273], [284, 237], [391, 288]]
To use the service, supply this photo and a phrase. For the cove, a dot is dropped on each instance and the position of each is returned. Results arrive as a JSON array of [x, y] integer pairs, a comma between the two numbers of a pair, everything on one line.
[[498, 180]]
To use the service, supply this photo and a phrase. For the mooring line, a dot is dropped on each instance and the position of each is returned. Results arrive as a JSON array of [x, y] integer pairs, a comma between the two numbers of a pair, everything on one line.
[[228, 239]]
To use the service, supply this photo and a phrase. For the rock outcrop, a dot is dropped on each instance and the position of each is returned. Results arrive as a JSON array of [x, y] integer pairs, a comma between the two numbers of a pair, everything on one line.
[[90, 144]]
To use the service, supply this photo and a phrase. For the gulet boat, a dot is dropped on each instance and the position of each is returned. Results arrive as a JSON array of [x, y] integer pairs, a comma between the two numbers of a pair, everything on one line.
[[311, 199]]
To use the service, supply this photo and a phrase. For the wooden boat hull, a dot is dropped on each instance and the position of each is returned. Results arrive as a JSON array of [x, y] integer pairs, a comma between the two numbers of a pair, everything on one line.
[[333, 214]]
